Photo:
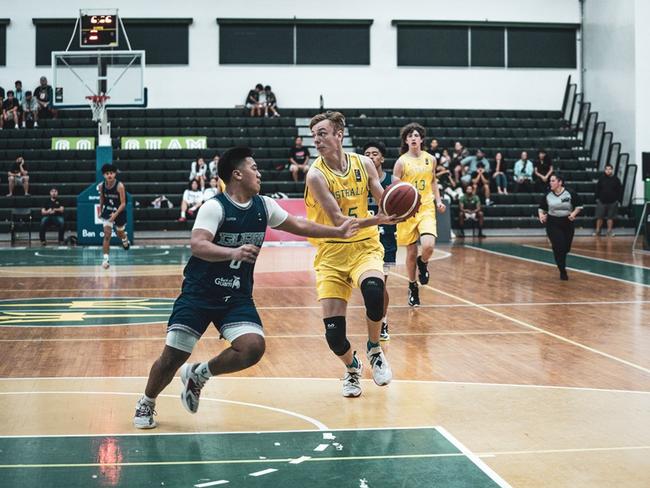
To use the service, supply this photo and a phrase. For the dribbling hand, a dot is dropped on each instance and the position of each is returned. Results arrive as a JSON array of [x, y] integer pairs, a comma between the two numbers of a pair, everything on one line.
[[246, 253], [349, 228]]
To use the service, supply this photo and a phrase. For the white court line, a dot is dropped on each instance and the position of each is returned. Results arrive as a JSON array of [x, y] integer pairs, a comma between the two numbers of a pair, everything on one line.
[[289, 378], [263, 472], [590, 257], [562, 451], [314, 422], [164, 253], [472, 457], [632, 283], [533, 327], [211, 483]]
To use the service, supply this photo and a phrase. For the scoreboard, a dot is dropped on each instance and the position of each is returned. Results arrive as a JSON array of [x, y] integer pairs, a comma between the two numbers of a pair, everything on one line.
[[98, 28]]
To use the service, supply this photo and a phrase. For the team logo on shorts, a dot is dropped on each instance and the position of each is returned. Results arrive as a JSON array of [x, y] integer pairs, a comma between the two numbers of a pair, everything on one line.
[[84, 312], [234, 282]]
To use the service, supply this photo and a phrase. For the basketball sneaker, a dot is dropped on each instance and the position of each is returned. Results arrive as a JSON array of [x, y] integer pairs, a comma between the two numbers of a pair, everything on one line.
[[423, 271], [126, 245], [414, 295], [144, 412], [384, 335], [106, 264], [352, 381], [381, 372], [192, 384]]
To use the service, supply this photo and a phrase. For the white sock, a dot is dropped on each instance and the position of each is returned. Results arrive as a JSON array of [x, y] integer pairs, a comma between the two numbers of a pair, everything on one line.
[[146, 399], [383, 320], [203, 370], [182, 215], [105, 257]]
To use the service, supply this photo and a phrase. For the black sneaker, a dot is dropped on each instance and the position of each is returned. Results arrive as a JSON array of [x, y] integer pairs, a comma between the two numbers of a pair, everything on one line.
[[414, 295], [423, 272], [384, 335], [564, 276], [481, 235], [460, 233]]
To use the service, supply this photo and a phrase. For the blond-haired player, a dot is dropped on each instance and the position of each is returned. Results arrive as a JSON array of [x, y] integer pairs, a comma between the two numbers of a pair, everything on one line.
[[338, 185], [418, 167]]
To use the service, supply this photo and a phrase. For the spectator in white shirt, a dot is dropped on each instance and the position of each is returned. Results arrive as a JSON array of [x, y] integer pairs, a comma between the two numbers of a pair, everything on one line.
[[30, 110], [212, 190], [199, 172], [214, 165], [192, 200]]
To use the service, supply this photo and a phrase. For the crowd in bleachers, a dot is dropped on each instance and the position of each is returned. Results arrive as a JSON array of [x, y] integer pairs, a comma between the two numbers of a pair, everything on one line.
[[261, 102], [23, 109]]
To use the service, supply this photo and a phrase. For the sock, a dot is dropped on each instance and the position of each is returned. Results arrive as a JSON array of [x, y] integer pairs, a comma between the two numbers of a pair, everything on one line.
[[182, 215], [146, 399], [203, 370], [383, 319], [355, 363], [370, 345], [105, 257]]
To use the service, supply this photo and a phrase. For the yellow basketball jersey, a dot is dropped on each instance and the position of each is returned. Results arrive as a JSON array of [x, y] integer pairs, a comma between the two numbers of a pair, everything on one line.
[[350, 190], [421, 173]]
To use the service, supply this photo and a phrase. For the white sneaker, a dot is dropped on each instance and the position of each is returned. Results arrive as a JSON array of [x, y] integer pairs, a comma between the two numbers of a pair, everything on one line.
[[144, 412], [192, 384], [352, 381], [381, 372], [35, 124], [106, 264]]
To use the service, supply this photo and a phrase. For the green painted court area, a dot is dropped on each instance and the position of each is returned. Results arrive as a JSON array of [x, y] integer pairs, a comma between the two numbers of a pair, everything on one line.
[[423, 457], [92, 256], [621, 271]]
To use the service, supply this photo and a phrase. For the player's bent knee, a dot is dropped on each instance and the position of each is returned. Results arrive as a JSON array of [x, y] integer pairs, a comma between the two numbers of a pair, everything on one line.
[[251, 347], [335, 335], [372, 290]]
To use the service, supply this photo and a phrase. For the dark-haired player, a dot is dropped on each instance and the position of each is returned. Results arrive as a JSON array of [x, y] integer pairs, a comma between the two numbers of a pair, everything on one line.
[[218, 286], [376, 151], [112, 202]]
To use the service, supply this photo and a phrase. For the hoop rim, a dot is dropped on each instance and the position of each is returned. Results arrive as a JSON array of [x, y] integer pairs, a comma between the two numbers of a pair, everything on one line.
[[97, 98]]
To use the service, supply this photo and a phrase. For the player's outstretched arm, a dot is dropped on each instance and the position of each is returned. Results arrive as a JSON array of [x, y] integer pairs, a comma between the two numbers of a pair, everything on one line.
[[307, 228], [203, 247]]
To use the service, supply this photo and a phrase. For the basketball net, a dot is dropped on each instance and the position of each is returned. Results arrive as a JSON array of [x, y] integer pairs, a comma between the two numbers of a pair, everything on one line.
[[98, 106]]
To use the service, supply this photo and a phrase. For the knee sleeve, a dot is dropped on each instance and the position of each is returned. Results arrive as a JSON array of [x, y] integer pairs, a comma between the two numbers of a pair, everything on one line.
[[335, 335], [372, 290]]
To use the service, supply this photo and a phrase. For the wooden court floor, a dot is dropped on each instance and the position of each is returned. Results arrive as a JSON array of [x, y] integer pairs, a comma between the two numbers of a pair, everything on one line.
[[507, 372]]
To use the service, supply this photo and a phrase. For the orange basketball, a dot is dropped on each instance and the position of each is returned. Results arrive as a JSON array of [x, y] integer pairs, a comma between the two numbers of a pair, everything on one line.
[[401, 199]]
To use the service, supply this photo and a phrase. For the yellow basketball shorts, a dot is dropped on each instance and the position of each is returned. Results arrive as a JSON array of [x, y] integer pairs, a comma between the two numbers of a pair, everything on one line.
[[340, 265], [423, 222]]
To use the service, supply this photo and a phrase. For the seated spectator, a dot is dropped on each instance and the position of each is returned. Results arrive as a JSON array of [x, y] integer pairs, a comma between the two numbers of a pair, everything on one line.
[[543, 171], [52, 216], [446, 182], [212, 190], [192, 200], [298, 159], [214, 165], [470, 209], [470, 164], [608, 193], [481, 181], [434, 149], [199, 172], [500, 174], [523, 174], [10, 116], [271, 103], [18, 174], [253, 101], [459, 153], [44, 95], [18, 93], [30, 110]]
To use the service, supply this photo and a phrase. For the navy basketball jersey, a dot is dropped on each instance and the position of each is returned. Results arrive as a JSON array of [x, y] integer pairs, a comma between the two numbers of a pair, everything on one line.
[[214, 282], [111, 199], [373, 205]]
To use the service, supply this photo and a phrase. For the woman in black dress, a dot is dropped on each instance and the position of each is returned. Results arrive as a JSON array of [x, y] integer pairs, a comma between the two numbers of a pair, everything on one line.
[[558, 210]]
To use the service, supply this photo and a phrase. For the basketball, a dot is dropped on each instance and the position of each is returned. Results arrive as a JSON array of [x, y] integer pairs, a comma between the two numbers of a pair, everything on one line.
[[401, 199]]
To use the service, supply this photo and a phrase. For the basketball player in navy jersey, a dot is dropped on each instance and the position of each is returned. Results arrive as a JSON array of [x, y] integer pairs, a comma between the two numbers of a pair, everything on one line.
[[376, 151], [218, 286], [112, 202]]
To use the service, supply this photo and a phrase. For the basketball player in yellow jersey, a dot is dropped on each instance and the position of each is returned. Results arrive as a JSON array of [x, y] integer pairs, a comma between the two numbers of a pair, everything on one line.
[[338, 184], [418, 167]]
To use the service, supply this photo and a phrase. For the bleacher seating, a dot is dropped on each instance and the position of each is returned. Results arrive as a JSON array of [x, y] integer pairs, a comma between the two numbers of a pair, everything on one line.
[[149, 173]]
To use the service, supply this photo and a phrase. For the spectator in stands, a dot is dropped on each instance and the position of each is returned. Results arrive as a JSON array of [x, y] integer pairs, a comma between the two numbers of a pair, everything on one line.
[[609, 191], [499, 174], [253, 101], [469, 208], [271, 103], [523, 174], [30, 110], [44, 95], [2, 94], [18, 92], [481, 182], [470, 172], [543, 170], [434, 149], [214, 165], [199, 172], [52, 216], [298, 159], [192, 200], [212, 190], [446, 182], [18, 174], [459, 153], [10, 116]]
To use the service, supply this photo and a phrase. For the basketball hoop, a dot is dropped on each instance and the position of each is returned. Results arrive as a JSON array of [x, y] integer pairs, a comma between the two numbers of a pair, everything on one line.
[[98, 105]]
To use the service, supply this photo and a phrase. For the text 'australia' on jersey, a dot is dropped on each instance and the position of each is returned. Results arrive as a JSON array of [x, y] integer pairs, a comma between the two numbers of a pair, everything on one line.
[[216, 281], [420, 172], [349, 189]]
